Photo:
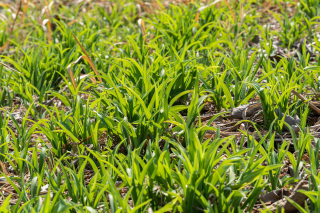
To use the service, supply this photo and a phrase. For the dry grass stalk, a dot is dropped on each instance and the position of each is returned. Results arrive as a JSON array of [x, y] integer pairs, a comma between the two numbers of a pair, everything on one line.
[[49, 33], [142, 29], [12, 27], [229, 6], [71, 74], [26, 3], [72, 22], [15, 18], [4, 46], [88, 59], [11, 68]]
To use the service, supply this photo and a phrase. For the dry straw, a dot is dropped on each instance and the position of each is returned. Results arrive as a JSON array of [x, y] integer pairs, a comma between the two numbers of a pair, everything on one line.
[[86, 58]]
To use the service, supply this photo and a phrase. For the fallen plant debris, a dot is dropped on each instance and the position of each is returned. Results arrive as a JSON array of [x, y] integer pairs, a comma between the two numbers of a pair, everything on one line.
[[275, 195], [295, 197], [244, 111]]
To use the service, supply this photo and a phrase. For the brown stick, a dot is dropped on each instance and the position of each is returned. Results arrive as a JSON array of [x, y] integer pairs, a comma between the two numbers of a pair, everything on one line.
[[304, 99]]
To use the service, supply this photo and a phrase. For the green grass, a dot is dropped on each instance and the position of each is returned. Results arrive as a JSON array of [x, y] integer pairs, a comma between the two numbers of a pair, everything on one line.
[[103, 107]]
